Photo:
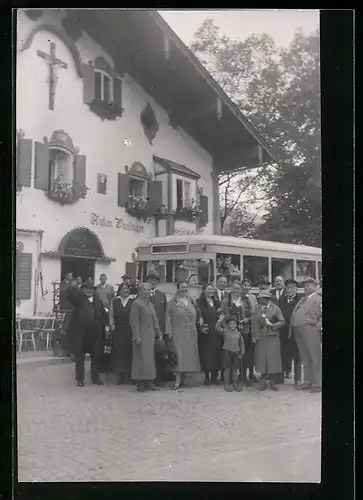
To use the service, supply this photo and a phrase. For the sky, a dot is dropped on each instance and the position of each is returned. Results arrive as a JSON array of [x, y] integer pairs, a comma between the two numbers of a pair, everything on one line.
[[239, 24]]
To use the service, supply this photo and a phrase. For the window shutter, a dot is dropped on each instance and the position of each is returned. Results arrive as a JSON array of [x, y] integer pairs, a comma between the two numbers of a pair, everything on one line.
[[23, 275], [24, 162], [203, 217], [117, 93], [88, 84], [131, 271], [123, 189], [155, 196], [41, 166], [80, 174]]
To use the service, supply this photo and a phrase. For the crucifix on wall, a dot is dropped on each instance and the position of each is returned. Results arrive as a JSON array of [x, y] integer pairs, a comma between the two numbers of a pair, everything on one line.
[[53, 63]]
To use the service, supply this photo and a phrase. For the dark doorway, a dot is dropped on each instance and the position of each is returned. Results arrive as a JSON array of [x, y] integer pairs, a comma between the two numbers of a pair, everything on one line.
[[85, 268]]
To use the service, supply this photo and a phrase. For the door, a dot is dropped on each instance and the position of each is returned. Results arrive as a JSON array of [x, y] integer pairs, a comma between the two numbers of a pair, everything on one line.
[[85, 268]]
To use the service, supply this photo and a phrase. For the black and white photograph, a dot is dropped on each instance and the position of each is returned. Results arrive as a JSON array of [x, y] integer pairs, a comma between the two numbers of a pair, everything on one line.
[[168, 245]]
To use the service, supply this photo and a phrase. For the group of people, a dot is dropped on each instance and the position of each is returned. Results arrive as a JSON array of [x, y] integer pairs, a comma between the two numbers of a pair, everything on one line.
[[230, 336]]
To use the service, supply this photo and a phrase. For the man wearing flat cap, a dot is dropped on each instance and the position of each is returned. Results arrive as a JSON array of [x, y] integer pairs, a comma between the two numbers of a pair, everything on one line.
[[306, 328], [289, 350], [158, 300], [86, 329]]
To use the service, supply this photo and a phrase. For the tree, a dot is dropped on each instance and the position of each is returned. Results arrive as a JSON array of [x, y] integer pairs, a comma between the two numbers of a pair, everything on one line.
[[278, 90]]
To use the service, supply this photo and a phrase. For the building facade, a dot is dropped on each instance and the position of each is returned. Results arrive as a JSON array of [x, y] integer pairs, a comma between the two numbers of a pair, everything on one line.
[[103, 156]]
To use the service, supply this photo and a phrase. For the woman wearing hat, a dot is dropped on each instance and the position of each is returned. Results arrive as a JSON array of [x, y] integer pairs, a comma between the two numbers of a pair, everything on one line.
[[182, 315], [266, 322]]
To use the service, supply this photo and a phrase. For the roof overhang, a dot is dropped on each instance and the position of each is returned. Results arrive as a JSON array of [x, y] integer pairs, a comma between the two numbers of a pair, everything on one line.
[[144, 46]]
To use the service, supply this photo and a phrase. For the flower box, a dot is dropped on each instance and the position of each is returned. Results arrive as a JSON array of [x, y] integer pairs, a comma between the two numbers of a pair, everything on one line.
[[66, 194], [138, 207], [188, 213], [106, 111]]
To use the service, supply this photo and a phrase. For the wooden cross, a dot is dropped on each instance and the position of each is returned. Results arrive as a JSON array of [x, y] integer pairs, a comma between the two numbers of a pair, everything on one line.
[[53, 63]]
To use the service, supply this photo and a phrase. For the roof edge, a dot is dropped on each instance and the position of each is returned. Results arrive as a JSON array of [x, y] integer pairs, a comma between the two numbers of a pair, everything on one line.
[[216, 87]]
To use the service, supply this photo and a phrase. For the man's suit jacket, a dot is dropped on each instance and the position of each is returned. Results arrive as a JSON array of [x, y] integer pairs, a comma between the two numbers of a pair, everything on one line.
[[312, 311], [159, 302], [218, 302], [105, 294], [274, 294]]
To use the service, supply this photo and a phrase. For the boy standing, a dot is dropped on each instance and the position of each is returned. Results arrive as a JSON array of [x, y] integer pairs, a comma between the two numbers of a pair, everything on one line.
[[233, 351]]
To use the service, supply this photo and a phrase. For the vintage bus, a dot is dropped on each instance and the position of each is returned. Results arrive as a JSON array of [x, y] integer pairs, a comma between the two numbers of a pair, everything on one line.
[[197, 259]]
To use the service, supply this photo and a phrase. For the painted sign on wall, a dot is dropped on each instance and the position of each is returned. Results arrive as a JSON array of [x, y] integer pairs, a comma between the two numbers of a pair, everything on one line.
[[116, 223]]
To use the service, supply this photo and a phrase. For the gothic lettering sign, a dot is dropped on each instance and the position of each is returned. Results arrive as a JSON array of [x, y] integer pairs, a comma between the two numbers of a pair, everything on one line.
[[116, 223], [83, 244]]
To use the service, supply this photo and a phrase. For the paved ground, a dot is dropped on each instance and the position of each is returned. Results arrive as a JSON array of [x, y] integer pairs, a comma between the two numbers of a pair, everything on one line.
[[113, 433]]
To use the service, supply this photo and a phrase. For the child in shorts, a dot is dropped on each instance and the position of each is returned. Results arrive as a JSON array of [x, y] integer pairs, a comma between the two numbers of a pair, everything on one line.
[[233, 351]]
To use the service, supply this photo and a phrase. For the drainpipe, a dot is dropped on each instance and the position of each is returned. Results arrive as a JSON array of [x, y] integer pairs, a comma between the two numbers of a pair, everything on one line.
[[37, 277], [217, 229]]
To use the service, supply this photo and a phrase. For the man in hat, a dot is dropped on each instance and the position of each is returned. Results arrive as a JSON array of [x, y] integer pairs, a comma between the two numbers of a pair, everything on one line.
[[306, 328], [289, 350], [159, 301], [105, 292], [86, 329]]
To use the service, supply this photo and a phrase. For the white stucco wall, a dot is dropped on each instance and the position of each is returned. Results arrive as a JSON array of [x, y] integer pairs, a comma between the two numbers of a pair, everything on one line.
[[103, 144]]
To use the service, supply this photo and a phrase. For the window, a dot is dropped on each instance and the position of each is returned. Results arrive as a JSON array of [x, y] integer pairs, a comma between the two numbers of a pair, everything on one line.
[[183, 193], [282, 267], [103, 87], [138, 188], [254, 267], [305, 269], [101, 184], [61, 167]]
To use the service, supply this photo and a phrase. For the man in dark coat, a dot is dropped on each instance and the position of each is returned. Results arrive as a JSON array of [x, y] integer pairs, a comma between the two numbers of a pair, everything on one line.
[[86, 329], [159, 301], [289, 349], [126, 279], [220, 292]]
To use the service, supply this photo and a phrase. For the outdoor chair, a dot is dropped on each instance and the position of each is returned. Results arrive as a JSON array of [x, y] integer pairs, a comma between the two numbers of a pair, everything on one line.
[[24, 335]]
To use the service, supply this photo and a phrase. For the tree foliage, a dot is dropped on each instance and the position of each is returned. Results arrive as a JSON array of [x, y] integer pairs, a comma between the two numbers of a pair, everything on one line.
[[278, 90]]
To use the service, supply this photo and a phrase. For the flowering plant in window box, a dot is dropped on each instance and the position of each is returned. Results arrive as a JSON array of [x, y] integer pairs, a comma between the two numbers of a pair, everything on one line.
[[189, 212], [106, 111], [66, 193], [137, 206]]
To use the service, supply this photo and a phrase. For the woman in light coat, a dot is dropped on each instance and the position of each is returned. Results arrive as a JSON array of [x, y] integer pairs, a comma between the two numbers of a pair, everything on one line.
[[266, 322], [181, 325]]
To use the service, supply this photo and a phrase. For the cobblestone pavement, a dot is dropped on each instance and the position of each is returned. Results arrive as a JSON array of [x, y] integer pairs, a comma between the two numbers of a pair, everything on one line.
[[113, 433]]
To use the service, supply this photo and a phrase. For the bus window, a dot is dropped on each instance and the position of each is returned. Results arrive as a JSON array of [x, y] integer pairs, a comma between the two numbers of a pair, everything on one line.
[[305, 269], [194, 272], [282, 267], [254, 267], [229, 266]]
